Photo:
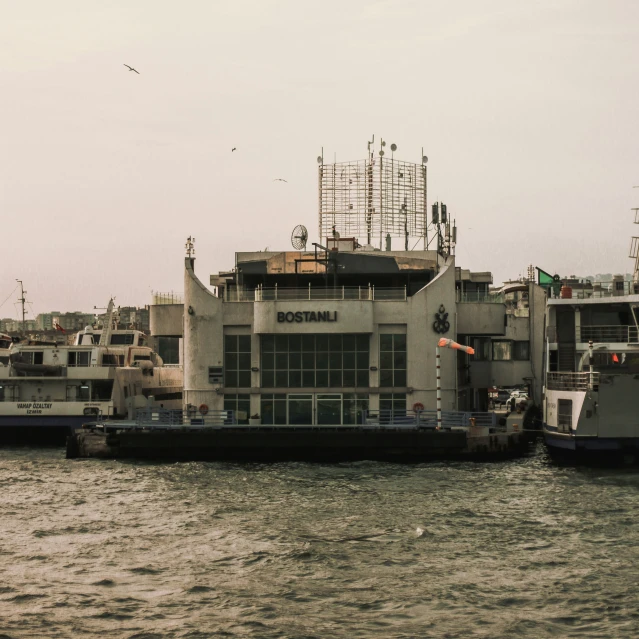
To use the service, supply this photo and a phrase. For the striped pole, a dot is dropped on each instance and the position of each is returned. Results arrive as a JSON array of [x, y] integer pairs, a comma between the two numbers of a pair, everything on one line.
[[439, 389], [446, 343]]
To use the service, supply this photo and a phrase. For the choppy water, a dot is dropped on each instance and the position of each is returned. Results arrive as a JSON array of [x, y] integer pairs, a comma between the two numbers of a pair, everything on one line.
[[137, 550]]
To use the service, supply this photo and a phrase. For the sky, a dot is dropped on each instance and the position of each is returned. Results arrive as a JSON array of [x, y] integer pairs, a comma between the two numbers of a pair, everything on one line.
[[527, 112]]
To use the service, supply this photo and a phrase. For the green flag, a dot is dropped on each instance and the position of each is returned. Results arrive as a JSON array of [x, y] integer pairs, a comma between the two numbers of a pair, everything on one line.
[[543, 278]]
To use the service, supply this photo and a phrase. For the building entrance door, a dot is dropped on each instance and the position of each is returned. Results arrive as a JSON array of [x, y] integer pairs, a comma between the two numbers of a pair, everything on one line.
[[329, 408], [300, 408]]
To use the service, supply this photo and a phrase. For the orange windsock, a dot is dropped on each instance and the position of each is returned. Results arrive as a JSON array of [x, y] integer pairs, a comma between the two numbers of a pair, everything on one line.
[[449, 343]]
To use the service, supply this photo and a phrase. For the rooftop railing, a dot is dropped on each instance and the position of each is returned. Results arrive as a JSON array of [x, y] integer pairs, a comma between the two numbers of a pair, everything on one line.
[[572, 381], [604, 289], [480, 298], [620, 334], [316, 293], [166, 298]]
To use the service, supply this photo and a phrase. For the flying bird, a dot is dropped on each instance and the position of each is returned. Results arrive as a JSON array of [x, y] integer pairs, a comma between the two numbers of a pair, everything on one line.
[[132, 69], [234, 149], [280, 180]]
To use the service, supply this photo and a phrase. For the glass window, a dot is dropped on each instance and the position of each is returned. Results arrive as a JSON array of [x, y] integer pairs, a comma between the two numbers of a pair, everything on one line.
[[169, 349], [482, 348], [288, 366], [522, 350], [391, 405], [353, 408], [240, 404], [122, 338], [237, 361], [392, 360], [79, 358], [502, 350], [273, 409]]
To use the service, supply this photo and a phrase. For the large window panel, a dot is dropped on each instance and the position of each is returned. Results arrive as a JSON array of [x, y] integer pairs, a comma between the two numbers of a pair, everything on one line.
[[237, 361], [392, 360], [322, 361]]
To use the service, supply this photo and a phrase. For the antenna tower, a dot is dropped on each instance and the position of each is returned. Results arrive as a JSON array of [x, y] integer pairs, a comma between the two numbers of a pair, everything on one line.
[[375, 199]]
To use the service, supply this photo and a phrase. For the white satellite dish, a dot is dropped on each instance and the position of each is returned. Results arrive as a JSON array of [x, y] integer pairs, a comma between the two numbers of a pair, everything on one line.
[[424, 159], [393, 147]]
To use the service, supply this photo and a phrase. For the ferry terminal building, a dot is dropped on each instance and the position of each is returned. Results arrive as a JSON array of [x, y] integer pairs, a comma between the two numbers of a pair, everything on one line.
[[319, 337]]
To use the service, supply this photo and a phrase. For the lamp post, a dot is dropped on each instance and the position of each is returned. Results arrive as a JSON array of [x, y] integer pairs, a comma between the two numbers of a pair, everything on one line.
[[446, 343]]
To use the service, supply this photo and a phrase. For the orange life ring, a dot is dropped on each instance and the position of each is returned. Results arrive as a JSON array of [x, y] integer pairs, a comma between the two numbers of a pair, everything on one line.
[[418, 406], [204, 409]]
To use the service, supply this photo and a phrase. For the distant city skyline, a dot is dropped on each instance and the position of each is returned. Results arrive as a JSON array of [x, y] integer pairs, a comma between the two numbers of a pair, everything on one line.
[[525, 111]]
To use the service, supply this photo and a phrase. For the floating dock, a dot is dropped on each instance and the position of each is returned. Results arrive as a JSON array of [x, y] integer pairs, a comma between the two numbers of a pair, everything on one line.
[[414, 441]]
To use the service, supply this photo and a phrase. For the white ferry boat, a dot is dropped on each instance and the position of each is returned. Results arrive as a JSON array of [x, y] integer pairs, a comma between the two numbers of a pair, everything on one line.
[[591, 398], [45, 386]]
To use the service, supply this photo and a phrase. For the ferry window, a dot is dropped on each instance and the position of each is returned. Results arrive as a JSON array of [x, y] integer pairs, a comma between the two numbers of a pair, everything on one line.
[[392, 360], [169, 349], [482, 349], [33, 357], [521, 350], [308, 361], [79, 358], [102, 390], [108, 359], [122, 338], [1, 393], [237, 361], [502, 350], [240, 404], [140, 358], [83, 393], [273, 409]]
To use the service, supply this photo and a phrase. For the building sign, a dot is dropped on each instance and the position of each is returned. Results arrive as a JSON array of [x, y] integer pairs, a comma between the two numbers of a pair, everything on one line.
[[307, 316]]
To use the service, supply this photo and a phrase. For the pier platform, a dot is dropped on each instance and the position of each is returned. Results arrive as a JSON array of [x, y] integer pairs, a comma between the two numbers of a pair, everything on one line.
[[409, 440]]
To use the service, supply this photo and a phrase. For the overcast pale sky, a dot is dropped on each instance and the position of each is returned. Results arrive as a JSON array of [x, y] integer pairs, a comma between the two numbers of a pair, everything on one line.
[[526, 110]]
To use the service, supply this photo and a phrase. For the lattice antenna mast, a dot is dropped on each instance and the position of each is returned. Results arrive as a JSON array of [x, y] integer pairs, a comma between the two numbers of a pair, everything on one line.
[[373, 200], [22, 299]]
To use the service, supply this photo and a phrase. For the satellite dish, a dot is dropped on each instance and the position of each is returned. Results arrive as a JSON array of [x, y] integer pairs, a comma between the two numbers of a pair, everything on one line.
[[383, 143], [299, 237], [424, 159], [320, 159], [393, 147], [381, 152]]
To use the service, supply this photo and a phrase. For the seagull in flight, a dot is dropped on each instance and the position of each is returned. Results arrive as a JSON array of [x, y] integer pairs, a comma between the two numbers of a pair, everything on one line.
[[234, 149], [280, 180], [132, 69]]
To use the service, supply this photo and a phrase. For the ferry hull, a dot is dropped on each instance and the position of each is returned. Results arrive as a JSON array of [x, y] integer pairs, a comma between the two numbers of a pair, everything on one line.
[[592, 450]]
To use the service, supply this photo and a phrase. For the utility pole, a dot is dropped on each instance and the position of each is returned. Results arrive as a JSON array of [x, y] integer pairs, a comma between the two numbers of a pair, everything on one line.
[[22, 300]]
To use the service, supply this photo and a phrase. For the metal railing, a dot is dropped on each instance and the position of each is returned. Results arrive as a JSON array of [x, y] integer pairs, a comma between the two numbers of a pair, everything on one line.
[[159, 299], [604, 289], [619, 333], [572, 381], [480, 298], [316, 293], [426, 418], [163, 418]]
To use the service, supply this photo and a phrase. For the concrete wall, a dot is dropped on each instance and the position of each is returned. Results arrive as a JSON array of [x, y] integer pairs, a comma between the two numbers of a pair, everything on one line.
[[480, 319], [166, 320]]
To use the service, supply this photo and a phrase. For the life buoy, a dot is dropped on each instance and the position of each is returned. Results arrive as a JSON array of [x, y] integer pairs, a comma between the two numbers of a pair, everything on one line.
[[204, 409], [418, 406]]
